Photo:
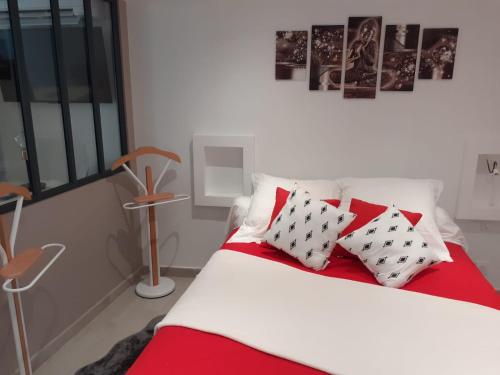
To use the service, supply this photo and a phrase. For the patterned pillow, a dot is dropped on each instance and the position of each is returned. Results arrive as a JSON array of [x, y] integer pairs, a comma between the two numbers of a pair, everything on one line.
[[391, 248], [281, 198], [307, 229], [366, 212]]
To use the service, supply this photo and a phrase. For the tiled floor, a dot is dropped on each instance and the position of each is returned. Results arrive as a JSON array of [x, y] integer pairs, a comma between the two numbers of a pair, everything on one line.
[[126, 315]]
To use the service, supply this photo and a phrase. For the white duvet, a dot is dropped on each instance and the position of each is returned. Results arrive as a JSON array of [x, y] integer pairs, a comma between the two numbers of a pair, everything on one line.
[[335, 325]]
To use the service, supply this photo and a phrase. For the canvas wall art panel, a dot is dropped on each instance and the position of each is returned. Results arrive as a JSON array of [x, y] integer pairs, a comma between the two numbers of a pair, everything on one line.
[[399, 62], [437, 57], [327, 47], [362, 55], [291, 55]]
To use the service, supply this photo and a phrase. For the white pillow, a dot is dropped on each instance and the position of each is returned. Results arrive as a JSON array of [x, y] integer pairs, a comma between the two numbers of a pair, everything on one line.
[[307, 229], [450, 231], [237, 213], [261, 207], [416, 195], [391, 248]]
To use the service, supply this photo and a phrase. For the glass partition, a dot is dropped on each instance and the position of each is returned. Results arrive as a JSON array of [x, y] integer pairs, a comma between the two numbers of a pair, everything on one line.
[[107, 93], [61, 105], [39, 55], [13, 155], [76, 68]]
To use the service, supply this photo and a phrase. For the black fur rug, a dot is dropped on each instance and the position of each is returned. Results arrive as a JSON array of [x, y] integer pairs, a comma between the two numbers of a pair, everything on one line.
[[123, 354]]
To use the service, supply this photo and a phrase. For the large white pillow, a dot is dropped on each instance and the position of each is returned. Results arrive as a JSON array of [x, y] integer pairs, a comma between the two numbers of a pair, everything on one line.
[[261, 207], [416, 195], [307, 229], [391, 248]]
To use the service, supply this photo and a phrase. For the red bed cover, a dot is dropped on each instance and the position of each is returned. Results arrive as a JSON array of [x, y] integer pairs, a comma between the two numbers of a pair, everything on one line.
[[179, 350]]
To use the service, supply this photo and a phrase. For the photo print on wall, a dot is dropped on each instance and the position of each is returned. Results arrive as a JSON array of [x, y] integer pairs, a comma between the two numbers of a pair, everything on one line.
[[437, 58], [400, 57], [363, 45], [291, 55], [327, 48]]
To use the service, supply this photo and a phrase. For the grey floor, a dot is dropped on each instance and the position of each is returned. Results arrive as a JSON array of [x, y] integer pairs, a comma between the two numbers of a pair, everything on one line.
[[126, 315]]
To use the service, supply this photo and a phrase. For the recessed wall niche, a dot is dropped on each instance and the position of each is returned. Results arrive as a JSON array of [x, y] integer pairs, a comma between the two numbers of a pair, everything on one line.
[[222, 167]]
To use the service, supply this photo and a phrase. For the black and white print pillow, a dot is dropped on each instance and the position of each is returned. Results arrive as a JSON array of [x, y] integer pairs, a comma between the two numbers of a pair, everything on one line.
[[391, 248], [307, 229]]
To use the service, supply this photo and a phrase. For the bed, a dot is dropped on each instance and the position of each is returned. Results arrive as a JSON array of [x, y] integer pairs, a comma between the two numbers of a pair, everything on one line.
[[179, 350], [455, 307]]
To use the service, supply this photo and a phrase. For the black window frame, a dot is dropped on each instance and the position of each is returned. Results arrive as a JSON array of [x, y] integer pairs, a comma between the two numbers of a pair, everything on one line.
[[24, 100]]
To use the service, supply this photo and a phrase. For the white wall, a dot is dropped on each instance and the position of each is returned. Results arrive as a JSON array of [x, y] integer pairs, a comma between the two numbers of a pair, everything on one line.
[[207, 66]]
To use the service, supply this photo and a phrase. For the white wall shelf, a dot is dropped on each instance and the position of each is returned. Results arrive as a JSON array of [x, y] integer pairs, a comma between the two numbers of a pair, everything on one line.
[[223, 166]]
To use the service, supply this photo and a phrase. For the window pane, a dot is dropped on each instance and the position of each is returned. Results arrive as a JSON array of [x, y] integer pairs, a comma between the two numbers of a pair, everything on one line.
[[13, 168], [39, 54], [105, 70], [74, 44]]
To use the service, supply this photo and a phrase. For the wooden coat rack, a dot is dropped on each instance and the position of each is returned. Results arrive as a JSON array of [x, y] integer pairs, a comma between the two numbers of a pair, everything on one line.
[[14, 266], [157, 286]]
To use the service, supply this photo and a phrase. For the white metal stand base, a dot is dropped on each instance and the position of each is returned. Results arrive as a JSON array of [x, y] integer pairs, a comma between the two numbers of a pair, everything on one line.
[[164, 288]]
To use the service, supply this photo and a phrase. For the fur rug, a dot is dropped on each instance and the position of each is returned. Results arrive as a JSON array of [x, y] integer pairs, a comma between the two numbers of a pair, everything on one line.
[[123, 354]]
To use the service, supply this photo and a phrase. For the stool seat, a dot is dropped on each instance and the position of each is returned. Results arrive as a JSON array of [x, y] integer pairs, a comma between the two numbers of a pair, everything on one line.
[[154, 198], [20, 263]]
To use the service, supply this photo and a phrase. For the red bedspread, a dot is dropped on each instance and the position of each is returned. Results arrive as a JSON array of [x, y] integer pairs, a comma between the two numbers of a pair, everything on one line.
[[178, 350]]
